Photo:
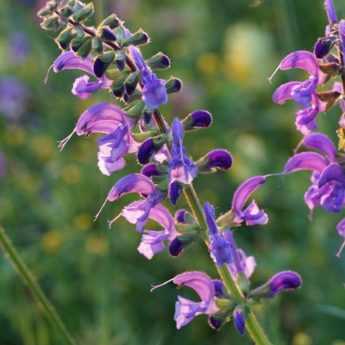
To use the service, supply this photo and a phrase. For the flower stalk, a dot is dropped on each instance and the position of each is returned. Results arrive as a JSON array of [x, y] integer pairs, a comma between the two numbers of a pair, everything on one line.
[[29, 279]]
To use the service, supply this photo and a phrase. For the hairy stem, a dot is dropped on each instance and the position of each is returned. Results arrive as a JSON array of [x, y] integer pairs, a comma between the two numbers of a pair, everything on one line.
[[28, 278]]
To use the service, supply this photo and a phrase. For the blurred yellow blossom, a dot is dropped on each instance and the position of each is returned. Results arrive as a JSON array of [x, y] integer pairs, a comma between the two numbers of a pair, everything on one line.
[[97, 245], [301, 339], [208, 63], [82, 221], [43, 147], [248, 55], [52, 241], [71, 174]]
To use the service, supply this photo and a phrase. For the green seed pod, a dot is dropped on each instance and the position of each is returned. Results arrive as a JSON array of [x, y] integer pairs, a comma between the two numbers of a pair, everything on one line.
[[64, 38], [112, 21], [84, 13], [97, 46], [85, 48], [159, 61], [138, 38], [52, 23]]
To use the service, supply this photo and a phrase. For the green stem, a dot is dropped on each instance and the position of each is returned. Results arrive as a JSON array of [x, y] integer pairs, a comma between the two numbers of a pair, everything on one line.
[[28, 278]]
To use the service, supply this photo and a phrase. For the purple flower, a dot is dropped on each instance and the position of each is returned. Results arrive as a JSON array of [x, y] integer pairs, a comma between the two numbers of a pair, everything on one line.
[[328, 177], [152, 241], [330, 10], [185, 309], [113, 147], [82, 86], [198, 119], [252, 214], [220, 249], [13, 97], [103, 118], [182, 169], [281, 282], [137, 212], [341, 233], [215, 160], [239, 319], [302, 92], [153, 89]]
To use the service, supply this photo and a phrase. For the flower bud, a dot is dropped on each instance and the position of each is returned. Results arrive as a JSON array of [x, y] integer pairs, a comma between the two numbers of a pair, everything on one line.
[[131, 82], [173, 85], [97, 45], [197, 119], [323, 46], [280, 282], [102, 63], [66, 11], [84, 13], [120, 60], [150, 170], [64, 38], [112, 21], [138, 38], [149, 147], [85, 49], [159, 61], [52, 23], [77, 41], [178, 244], [239, 319], [182, 216], [106, 34], [215, 160]]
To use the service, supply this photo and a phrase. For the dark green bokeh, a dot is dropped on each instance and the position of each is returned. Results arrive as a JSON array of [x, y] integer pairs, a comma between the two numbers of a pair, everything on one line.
[[224, 51]]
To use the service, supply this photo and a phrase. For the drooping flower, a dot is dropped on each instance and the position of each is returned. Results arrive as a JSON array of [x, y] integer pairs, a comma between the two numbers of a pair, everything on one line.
[[136, 212], [82, 86], [182, 169], [153, 89], [185, 309], [252, 214], [304, 93], [328, 177]]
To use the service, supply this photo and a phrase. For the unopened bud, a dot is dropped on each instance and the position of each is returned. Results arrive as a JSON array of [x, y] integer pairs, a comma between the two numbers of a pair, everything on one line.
[[159, 61], [102, 63], [112, 21], [84, 13], [138, 38], [173, 85]]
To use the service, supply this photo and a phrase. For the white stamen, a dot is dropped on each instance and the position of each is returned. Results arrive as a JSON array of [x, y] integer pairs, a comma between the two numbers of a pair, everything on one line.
[[100, 210], [62, 143], [273, 74], [45, 80], [341, 249], [298, 146], [111, 222], [154, 287]]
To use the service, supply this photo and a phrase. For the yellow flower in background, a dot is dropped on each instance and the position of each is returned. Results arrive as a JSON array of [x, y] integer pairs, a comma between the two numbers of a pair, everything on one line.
[[248, 55], [97, 245], [71, 174], [82, 222], [208, 63], [301, 339], [15, 136], [51, 241], [43, 147]]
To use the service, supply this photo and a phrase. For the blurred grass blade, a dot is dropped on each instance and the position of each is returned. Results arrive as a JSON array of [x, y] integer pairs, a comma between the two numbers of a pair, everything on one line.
[[331, 310]]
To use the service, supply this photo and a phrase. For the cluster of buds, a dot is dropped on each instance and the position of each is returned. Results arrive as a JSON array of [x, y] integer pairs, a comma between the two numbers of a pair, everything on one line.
[[323, 89], [111, 56]]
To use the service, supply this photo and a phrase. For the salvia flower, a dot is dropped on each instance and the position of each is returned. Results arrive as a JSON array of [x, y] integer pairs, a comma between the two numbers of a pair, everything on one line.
[[252, 214], [182, 169], [304, 93], [153, 89]]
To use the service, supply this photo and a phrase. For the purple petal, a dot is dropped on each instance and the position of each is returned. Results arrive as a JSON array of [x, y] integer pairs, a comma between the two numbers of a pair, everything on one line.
[[198, 119], [152, 242], [284, 281], [321, 142], [69, 61], [341, 228], [150, 170], [284, 92], [186, 310], [306, 161], [200, 282], [330, 10], [245, 190], [334, 172], [302, 59], [132, 183], [253, 215], [83, 88], [174, 191], [239, 320]]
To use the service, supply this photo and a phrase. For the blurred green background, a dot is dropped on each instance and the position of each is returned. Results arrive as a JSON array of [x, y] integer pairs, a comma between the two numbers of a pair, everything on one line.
[[224, 51]]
